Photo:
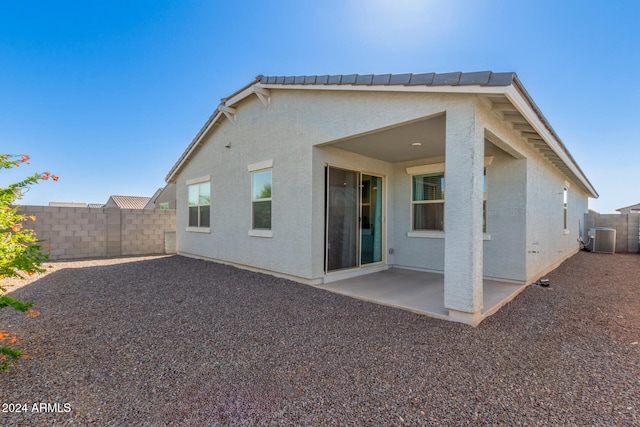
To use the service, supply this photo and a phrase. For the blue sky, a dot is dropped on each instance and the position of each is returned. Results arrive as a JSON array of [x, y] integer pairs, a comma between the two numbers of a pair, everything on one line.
[[107, 95]]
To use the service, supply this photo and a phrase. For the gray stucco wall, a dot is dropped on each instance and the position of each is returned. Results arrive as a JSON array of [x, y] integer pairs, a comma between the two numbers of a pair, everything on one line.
[[254, 140], [524, 191], [547, 241], [504, 253], [285, 133], [168, 196]]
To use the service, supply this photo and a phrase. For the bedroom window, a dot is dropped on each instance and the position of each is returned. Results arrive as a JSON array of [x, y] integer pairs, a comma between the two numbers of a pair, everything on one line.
[[199, 204], [565, 198], [261, 200], [427, 204]]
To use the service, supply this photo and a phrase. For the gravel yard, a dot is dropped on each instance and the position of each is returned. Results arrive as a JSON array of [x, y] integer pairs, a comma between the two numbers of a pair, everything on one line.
[[176, 341]]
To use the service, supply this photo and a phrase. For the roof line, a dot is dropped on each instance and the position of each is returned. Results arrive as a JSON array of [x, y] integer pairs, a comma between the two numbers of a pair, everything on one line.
[[520, 87], [352, 81], [481, 82], [627, 207]]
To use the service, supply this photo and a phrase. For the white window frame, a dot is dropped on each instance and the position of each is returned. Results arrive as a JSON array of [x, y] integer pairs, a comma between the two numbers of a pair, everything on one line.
[[436, 169], [255, 168], [190, 183], [565, 208], [427, 202]]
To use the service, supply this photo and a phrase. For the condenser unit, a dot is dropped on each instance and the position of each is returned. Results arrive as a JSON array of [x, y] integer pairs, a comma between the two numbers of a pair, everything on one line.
[[602, 240]]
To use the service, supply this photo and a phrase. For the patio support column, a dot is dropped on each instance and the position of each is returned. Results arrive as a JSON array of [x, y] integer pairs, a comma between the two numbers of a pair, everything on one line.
[[464, 187]]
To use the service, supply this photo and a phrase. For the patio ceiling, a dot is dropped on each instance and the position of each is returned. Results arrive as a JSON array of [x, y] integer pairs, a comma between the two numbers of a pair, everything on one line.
[[394, 145]]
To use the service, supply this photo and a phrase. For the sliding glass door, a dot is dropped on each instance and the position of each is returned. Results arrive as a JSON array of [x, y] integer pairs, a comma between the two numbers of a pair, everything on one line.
[[353, 219], [342, 219], [371, 223]]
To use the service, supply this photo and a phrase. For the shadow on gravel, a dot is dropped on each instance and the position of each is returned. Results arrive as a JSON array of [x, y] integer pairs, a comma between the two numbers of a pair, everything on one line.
[[179, 341]]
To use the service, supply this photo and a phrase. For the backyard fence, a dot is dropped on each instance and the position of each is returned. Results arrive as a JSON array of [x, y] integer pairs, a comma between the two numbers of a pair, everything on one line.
[[627, 228], [73, 233]]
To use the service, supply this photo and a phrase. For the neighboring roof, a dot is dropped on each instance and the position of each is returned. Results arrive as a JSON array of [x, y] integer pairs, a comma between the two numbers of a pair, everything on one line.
[[152, 201], [67, 205], [540, 133], [128, 202], [632, 207], [95, 205]]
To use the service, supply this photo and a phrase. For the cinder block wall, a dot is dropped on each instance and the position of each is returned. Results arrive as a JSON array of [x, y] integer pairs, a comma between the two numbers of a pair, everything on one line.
[[72, 233], [627, 229]]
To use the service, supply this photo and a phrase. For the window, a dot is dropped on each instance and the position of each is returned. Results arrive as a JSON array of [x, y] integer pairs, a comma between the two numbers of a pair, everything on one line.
[[565, 198], [484, 202], [428, 202], [199, 204], [261, 200], [164, 206]]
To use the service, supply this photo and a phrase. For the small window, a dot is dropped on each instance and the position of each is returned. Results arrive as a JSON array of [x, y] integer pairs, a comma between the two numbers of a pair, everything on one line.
[[427, 205], [565, 196], [261, 200], [199, 204], [428, 202], [484, 203], [164, 206]]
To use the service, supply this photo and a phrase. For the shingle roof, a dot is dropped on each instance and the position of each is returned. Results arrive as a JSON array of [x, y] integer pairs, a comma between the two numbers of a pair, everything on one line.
[[130, 202], [482, 78]]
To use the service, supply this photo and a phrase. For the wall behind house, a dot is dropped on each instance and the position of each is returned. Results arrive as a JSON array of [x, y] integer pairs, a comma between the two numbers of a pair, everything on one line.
[[627, 228], [74, 233]]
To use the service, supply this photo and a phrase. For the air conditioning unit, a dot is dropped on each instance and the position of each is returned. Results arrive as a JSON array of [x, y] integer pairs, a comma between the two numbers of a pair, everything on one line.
[[602, 240]]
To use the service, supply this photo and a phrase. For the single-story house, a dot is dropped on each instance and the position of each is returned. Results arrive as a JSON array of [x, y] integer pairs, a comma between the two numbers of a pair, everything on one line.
[[321, 178], [127, 202], [164, 198], [630, 209]]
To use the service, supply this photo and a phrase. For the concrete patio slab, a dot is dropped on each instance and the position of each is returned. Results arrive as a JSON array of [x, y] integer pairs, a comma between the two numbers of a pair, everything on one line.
[[418, 291]]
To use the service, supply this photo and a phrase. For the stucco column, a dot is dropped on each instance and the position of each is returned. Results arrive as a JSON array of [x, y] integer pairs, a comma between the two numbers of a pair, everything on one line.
[[464, 186]]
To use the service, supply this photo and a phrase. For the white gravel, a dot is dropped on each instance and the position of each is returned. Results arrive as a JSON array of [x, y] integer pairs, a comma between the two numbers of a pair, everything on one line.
[[176, 341]]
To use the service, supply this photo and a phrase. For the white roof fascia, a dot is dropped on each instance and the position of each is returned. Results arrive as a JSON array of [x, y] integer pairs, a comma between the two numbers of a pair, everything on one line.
[[525, 108], [490, 90], [248, 91], [240, 96], [511, 92], [194, 147]]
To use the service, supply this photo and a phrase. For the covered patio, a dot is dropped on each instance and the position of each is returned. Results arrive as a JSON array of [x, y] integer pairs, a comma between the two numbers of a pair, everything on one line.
[[418, 291]]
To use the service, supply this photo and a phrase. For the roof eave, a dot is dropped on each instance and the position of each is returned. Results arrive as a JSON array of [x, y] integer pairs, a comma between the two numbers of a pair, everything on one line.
[[515, 92], [193, 146], [229, 101], [520, 98]]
